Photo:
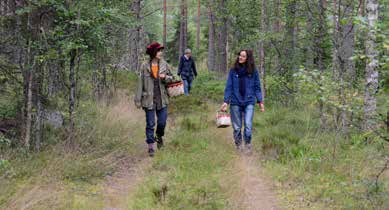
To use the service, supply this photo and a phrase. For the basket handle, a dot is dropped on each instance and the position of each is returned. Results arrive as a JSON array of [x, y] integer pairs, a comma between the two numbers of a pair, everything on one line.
[[220, 111]]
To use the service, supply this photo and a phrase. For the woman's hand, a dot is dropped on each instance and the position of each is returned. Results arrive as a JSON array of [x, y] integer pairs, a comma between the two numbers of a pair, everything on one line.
[[261, 106], [224, 107], [162, 76]]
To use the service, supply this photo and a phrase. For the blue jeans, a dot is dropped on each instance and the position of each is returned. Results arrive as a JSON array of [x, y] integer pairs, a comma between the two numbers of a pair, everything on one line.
[[187, 85], [150, 123], [238, 113]]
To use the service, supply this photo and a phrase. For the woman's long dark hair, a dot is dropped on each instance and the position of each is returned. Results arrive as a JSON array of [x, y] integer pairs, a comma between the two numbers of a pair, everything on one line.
[[153, 54], [250, 63]]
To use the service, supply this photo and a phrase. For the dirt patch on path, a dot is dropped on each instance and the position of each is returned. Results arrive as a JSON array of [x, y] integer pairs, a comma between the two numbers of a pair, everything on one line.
[[257, 190], [120, 187], [253, 190]]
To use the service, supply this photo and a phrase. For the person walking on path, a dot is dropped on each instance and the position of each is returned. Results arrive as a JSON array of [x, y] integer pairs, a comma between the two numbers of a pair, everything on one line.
[[187, 70], [151, 95], [242, 92]]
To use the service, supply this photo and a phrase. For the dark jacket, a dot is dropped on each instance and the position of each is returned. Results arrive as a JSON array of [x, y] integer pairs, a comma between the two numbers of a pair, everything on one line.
[[187, 68], [253, 92], [144, 96]]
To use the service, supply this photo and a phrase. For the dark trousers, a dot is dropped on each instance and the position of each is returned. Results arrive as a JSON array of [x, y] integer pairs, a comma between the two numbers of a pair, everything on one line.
[[187, 85], [150, 123]]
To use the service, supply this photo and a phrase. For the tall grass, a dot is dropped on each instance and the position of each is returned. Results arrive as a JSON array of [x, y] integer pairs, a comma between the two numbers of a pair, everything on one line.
[[320, 168], [105, 134]]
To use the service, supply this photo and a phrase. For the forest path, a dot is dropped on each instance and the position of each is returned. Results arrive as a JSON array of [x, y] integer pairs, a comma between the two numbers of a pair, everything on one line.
[[253, 190], [119, 188], [243, 183]]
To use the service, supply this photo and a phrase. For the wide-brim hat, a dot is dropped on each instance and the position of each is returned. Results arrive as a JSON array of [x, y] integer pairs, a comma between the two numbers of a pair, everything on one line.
[[153, 47]]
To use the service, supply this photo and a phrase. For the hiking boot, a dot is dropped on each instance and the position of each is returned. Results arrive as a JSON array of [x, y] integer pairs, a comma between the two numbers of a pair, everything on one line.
[[151, 150], [239, 148], [249, 149], [159, 141]]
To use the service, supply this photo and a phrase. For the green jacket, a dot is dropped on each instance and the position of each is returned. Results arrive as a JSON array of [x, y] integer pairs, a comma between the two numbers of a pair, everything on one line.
[[145, 90]]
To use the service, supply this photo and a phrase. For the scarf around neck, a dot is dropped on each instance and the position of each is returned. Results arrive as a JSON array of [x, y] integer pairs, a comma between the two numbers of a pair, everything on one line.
[[242, 73]]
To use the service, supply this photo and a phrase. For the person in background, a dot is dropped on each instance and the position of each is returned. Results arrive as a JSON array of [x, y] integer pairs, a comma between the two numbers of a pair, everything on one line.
[[187, 70], [242, 92], [152, 96]]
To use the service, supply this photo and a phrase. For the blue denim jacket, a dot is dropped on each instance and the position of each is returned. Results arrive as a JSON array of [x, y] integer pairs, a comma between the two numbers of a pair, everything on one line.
[[253, 89]]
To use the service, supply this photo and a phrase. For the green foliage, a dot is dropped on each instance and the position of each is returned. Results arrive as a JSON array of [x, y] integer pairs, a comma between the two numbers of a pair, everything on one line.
[[172, 50], [4, 165], [8, 109], [4, 142], [9, 102], [323, 166], [209, 86], [245, 19]]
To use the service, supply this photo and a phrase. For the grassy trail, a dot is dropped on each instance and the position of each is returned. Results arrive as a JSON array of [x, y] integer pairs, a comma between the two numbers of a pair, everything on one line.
[[197, 169], [200, 169], [254, 189]]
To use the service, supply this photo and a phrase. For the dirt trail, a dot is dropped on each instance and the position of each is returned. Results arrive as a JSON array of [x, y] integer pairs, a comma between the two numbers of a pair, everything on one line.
[[121, 186], [254, 190], [247, 187], [257, 191]]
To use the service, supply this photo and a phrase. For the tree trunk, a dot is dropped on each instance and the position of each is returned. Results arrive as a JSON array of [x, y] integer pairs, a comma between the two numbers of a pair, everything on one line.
[[337, 66], [371, 72], [289, 60], [335, 55], [319, 38], [38, 123], [198, 28], [72, 99], [343, 67], [27, 132], [211, 38], [139, 30], [30, 78], [361, 11], [183, 28], [320, 51], [55, 83], [309, 55], [347, 42], [3, 7], [290, 37], [136, 39], [277, 29], [222, 42], [262, 48], [164, 23], [38, 83]]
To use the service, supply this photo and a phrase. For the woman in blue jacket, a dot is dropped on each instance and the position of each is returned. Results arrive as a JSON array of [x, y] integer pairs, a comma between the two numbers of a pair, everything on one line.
[[242, 92]]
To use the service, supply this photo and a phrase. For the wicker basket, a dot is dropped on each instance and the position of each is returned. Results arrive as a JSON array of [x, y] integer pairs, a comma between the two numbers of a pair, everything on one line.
[[223, 119], [175, 89]]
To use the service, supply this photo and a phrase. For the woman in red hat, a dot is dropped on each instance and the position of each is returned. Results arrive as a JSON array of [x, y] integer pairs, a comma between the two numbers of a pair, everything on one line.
[[152, 95]]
